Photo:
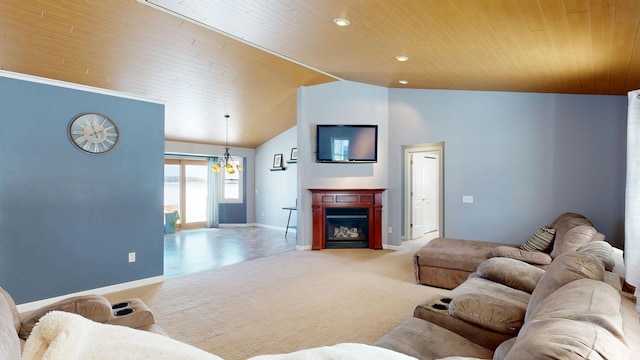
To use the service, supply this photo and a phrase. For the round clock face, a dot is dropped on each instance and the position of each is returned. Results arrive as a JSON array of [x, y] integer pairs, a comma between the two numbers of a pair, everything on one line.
[[93, 133]]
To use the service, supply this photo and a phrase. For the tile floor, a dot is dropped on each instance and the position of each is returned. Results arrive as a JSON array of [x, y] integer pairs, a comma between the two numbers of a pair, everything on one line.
[[189, 251]]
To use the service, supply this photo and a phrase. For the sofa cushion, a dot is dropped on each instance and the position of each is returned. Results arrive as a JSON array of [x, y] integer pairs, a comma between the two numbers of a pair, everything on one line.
[[540, 240], [582, 319], [566, 221], [489, 305], [436, 311], [503, 349], [584, 300], [602, 250], [510, 272], [9, 341], [564, 269], [94, 307], [416, 337], [573, 239], [456, 254], [566, 339], [564, 216], [530, 257]]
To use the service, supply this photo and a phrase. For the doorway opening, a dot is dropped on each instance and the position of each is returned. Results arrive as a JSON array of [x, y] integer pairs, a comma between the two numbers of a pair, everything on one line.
[[423, 190]]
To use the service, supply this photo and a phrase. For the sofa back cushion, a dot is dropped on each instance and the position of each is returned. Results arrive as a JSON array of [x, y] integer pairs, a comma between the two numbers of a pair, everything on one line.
[[573, 238], [511, 272], [603, 251], [489, 305], [564, 269], [568, 220], [582, 319], [9, 342]]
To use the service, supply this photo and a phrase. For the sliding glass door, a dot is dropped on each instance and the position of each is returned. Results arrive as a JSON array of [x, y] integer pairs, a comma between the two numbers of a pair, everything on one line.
[[185, 190]]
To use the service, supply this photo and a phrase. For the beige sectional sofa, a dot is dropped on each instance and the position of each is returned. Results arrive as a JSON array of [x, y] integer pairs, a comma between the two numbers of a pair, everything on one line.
[[447, 262], [573, 312]]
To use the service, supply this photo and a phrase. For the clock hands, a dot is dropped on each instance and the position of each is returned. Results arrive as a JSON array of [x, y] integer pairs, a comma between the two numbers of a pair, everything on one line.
[[96, 132]]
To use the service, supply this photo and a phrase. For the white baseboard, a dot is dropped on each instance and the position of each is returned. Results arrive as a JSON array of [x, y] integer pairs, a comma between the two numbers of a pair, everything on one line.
[[280, 228], [228, 226], [34, 305]]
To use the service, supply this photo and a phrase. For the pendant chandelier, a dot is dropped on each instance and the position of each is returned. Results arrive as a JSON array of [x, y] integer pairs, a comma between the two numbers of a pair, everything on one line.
[[226, 161]]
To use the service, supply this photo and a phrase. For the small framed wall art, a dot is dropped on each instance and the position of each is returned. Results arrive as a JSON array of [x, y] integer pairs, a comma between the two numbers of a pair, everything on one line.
[[277, 161], [294, 154]]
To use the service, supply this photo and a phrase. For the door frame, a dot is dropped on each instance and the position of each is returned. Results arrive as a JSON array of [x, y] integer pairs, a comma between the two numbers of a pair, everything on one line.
[[407, 150], [182, 162]]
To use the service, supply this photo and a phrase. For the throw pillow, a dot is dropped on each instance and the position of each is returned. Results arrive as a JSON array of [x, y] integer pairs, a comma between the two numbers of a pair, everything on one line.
[[540, 240]]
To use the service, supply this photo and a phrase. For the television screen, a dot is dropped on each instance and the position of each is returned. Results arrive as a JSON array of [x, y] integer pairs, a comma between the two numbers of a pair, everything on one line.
[[347, 143]]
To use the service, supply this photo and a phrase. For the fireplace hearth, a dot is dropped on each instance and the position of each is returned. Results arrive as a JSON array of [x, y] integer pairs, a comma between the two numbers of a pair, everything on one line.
[[347, 218]]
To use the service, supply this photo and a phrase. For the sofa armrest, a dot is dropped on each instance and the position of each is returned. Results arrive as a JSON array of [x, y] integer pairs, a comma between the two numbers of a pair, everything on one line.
[[530, 257], [93, 307]]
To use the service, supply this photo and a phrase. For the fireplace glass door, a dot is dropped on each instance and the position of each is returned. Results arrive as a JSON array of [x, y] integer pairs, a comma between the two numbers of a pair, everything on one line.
[[346, 228]]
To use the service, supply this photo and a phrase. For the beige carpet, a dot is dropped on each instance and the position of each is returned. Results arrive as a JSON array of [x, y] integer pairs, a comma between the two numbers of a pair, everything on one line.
[[290, 301]]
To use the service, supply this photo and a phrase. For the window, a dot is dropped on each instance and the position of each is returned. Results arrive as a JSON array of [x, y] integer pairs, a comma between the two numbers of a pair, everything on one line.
[[231, 185], [185, 190], [195, 192]]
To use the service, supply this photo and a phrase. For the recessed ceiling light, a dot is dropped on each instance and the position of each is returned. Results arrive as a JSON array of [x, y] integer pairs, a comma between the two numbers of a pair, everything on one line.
[[341, 22], [402, 58], [403, 82]]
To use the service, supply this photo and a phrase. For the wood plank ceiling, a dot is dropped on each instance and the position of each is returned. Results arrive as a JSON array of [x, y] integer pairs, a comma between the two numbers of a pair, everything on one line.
[[247, 58]]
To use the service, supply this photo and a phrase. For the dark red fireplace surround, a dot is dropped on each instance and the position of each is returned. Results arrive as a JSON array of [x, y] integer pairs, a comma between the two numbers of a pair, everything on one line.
[[347, 198]]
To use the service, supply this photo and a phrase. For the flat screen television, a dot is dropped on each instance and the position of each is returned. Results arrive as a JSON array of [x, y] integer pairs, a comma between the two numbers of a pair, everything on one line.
[[347, 143]]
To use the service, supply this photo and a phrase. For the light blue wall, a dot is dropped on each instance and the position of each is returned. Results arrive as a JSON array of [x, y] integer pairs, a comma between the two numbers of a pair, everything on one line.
[[525, 158], [69, 219], [342, 102], [276, 189]]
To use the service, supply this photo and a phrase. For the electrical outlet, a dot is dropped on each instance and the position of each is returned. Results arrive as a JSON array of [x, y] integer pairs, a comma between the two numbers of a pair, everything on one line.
[[390, 230], [132, 257]]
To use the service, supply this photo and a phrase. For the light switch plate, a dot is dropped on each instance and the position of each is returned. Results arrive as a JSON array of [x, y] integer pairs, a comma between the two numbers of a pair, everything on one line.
[[467, 199]]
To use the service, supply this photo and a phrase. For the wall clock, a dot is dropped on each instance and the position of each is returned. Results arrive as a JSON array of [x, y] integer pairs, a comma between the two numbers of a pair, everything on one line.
[[93, 133]]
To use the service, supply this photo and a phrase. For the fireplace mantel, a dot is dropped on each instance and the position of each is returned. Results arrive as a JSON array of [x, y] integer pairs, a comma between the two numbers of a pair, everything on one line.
[[347, 198]]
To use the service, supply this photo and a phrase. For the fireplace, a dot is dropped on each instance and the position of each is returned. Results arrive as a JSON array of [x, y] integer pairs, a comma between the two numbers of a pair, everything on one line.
[[347, 218], [346, 228]]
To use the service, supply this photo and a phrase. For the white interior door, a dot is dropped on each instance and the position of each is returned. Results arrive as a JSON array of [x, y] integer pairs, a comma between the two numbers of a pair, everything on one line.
[[424, 193], [431, 193], [418, 195]]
